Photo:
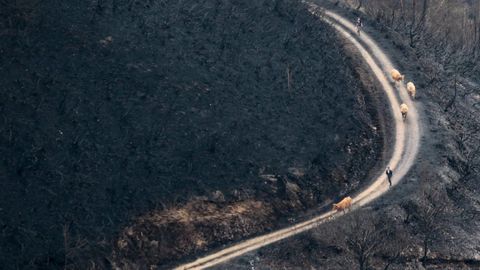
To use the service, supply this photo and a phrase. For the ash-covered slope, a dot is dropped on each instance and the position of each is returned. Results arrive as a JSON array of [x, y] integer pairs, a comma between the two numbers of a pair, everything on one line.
[[111, 109]]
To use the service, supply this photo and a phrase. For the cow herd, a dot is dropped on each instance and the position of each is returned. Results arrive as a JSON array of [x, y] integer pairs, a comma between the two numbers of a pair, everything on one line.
[[411, 89], [397, 77]]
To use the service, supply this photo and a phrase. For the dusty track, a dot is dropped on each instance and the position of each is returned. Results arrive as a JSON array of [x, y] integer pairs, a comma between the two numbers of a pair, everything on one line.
[[407, 137]]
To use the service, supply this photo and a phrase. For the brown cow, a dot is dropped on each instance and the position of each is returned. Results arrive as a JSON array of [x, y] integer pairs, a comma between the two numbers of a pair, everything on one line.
[[411, 89], [404, 110], [346, 203], [396, 76]]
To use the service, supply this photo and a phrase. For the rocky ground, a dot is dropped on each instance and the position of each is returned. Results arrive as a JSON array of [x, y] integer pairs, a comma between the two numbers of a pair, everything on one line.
[[163, 129]]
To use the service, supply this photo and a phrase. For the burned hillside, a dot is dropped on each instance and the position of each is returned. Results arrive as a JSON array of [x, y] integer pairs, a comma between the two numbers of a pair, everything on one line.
[[430, 220], [112, 109]]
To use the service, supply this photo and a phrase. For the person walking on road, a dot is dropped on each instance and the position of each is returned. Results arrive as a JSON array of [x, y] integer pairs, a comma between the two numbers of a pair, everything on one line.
[[389, 174], [359, 25]]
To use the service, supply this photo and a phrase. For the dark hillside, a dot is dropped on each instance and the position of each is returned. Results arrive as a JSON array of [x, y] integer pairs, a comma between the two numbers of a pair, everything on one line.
[[111, 109], [431, 219]]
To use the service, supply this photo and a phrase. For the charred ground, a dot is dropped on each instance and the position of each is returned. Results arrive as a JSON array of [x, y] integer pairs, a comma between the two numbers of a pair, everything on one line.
[[114, 109], [430, 220]]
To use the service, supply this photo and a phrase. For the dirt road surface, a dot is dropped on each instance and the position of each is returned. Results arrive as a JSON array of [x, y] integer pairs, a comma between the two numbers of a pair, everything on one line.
[[406, 146]]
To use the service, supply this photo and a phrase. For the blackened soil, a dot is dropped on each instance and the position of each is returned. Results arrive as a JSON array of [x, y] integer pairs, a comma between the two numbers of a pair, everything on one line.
[[113, 109]]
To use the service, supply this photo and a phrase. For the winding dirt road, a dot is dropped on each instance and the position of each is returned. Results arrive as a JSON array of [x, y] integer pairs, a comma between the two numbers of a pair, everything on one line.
[[407, 137]]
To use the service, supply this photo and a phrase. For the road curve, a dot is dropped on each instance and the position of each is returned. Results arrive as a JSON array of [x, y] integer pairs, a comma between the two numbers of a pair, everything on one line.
[[407, 137]]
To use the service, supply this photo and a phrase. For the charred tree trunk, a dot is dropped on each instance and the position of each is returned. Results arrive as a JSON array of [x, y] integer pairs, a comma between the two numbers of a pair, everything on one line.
[[360, 4], [393, 17], [412, 24], [425, 250], [289, 78], [452, 101]]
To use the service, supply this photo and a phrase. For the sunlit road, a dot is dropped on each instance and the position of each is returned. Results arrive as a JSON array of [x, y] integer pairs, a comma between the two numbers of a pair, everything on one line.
[[406, 138]]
